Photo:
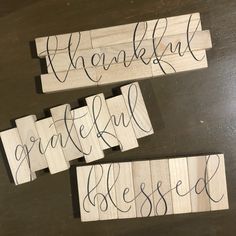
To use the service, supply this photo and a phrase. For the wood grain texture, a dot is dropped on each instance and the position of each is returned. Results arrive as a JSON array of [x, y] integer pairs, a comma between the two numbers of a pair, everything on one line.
[[88, 212], [104, 180], [121, 122], [29, 136], [160, 174], [87, 134], [65, 127], [171, 64], [137, 110], [197, 172], [124, 190], [103, 124], [60, 43], [143, 187], [180, 181], [17, 157], [217, 185], [50, 146], [63, 61]]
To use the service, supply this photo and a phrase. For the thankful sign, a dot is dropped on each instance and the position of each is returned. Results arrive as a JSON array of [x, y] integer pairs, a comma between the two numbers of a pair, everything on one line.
[[70, 134], [152, 188], [122, 53]]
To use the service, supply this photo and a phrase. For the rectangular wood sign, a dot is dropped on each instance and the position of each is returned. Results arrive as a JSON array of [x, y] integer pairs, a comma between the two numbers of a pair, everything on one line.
[[152, 188], [70, 134], [123, 53]]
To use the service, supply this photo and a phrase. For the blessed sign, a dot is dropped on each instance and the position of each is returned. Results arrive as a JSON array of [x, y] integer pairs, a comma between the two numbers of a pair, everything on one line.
[[122, 53], [70, 134], [152, 188]]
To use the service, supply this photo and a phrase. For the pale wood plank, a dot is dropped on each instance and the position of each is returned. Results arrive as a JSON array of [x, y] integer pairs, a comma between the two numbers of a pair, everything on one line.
[[29, 137], [196, 173], [174, 25], [161, 185], [64, 124], [124, 33], [125, 197], [100, 116], [199, 40], [80, 59], [143, 188], [116, 34], [122, 124], [119, 73], [217, 182], [137, 110], [61, 42], [87, 197], [16, 156], [104, 181], [87, 134], [180, 193], [174, 63], [50, 145], [66, 81]]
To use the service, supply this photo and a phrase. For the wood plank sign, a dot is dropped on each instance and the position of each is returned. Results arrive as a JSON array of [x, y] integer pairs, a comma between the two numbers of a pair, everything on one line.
[[71, 134], [152, 188], [123, 53]]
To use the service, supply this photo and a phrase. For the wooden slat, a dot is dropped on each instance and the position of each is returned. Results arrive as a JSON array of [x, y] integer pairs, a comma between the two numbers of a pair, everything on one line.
[[104, 181], [155, 187], [121, 122], [65, 127], [125, 198], [180, 185], [62, 61], [87, 196], [124, 33], [137, 110], [63, 81], [16, 156], [196, 173], [50, 145], [101, 118], [117, 34], [80, 58], [119, 73], [217, 182], [61, 43], [143, 188], [175, 25], [173, 63], [29, 137], [161, 187], [87, 134]]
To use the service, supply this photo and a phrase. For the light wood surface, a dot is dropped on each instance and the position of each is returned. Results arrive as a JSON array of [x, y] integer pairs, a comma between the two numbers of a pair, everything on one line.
[[30, 138], [122, 124], [50, 146]]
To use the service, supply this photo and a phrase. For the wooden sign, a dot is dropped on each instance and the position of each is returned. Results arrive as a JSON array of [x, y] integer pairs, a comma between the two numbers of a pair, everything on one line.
[[71, 134], [152, 188], [123, 53]]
